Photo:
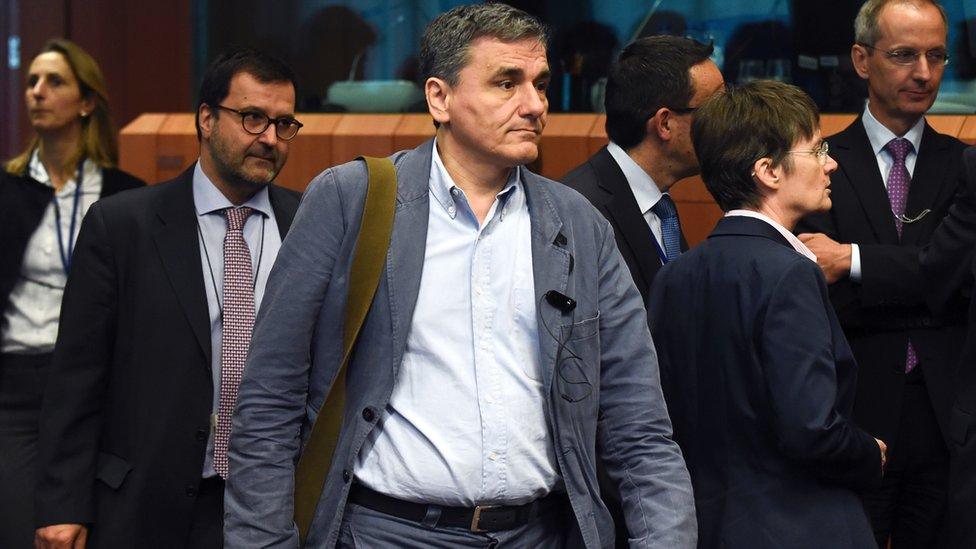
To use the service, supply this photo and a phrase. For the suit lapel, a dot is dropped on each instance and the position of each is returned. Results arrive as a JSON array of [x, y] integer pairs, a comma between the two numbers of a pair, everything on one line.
[[856, 158], [176, 240], [622, 209], [551, 264], [408, 243], [284, 205], [928, 181]]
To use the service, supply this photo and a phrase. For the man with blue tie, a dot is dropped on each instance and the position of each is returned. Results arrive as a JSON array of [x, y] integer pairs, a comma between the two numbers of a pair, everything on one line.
[[652, 93], [896, 179]]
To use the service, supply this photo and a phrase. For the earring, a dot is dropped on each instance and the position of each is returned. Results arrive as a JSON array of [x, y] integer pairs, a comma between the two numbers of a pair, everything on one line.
[[84, 114]]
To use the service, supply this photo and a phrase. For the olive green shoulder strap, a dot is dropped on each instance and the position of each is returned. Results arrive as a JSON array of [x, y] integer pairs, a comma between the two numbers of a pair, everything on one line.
[[369, 257]]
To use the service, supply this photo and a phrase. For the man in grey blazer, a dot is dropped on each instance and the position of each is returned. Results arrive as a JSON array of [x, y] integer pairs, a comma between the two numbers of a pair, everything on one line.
[[506, 347]]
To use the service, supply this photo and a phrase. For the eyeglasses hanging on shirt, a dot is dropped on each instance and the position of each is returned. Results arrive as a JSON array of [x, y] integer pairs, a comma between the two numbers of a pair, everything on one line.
[[909, 220]]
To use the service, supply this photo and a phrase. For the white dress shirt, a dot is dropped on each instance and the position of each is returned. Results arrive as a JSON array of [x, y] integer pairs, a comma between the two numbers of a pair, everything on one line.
[[467, 422], [30, 323], [799, 246], [263, 240], [644, 188], [879, 136]]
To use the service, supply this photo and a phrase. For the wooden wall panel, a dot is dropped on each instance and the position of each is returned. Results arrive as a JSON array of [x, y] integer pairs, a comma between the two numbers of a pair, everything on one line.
[[565, 143], [310, 152], [330, 139], [177, 146], [413, 130], [598, 134], [967, 133], [363, 134], [138, 145], [950, 124]]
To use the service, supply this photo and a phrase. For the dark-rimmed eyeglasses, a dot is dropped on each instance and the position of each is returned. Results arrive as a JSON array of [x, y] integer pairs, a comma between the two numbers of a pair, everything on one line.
[[907, 57], [256, 123], [821, 152]]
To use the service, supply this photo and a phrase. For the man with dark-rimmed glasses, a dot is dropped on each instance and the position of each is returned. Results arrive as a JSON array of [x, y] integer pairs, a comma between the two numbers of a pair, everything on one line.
[[156, 322], [895, 181]]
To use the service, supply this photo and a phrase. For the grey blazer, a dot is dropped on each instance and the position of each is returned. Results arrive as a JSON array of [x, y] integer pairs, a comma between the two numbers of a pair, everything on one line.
[[296, 350]]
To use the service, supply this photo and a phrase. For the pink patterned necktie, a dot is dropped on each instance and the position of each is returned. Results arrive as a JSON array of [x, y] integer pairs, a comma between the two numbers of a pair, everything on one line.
[[899, 182], [237, 323]]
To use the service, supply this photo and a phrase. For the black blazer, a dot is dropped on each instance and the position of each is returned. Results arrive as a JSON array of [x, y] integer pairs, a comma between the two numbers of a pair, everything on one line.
[[125, 417], [22, 205], [602, 182], [880, 313], [759, 382], [949, 265]]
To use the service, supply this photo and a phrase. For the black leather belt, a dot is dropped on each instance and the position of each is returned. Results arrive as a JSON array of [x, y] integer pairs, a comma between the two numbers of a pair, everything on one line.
[[483, 518]]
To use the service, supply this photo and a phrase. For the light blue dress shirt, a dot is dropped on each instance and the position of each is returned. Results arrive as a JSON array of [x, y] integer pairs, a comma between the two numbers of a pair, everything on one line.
[[879, 136], [646, 191], [467, 421], [261, 229]]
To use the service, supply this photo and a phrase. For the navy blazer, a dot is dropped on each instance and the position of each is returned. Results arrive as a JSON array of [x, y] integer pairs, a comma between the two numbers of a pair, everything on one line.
[[603, 183], [759, 381]]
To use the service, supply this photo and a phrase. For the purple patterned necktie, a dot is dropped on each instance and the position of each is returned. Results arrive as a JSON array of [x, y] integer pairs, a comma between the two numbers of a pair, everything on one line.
[[237, 323], [899, 182]]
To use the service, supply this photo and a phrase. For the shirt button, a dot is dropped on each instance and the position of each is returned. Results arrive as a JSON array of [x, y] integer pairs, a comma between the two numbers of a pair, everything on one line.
[[451, 210], [493, 456], [346, 475], [368, 414]]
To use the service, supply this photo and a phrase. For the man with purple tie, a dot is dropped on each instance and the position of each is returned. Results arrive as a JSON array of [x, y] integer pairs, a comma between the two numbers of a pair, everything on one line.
[[895, 181]]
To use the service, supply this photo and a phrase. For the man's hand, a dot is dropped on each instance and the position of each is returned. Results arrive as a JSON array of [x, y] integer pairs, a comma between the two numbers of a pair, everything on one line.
[[834, 258], [884, 452], [61, 536]]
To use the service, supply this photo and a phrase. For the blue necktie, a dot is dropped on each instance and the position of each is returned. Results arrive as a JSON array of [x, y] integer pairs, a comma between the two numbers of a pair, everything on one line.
[[666, 211]]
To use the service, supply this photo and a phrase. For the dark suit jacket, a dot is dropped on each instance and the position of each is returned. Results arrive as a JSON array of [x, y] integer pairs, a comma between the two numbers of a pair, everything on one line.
[[949, 265], [125, 417], [759, 382], [602, 182], [887, 307], [22, 205]]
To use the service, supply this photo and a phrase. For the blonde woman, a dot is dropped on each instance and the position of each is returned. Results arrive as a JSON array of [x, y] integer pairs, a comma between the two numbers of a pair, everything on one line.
[[44, 193]]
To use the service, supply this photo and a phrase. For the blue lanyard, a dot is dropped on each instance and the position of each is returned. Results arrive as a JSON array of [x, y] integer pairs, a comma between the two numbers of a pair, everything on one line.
[[66, 253]]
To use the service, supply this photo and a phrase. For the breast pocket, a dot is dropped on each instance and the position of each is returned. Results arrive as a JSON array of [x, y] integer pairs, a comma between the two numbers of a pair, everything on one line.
[[578, 360]]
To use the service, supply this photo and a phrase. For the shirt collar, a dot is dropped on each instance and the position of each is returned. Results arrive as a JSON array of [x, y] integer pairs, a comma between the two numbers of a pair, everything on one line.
[[208, 199], [793, 240], [879, 135], [37, 172], [641, 184], [449, 195]]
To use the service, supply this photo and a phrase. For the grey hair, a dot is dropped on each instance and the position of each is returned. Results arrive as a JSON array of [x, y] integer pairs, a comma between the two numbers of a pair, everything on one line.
[[866, 29], [444, 48]]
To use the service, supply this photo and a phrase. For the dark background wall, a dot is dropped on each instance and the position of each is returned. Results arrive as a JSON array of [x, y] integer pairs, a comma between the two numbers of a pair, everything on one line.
[[143, 48]]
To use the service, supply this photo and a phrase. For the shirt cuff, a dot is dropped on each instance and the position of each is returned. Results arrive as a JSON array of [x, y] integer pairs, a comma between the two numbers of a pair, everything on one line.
[[855, 263]]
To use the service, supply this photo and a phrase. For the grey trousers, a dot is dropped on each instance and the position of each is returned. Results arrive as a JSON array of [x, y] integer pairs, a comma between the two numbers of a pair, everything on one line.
[[363, 527]]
